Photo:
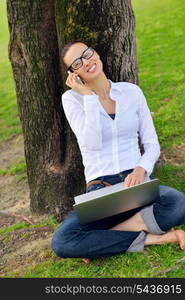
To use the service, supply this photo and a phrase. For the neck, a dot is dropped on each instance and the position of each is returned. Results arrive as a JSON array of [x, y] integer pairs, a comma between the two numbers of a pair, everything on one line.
[[100, 86]]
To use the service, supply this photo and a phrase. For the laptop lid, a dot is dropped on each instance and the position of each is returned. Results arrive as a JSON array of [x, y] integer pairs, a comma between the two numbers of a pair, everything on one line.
[[114, 199]]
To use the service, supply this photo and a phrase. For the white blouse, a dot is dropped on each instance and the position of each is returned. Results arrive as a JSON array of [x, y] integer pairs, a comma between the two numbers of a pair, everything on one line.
[[109, 146]]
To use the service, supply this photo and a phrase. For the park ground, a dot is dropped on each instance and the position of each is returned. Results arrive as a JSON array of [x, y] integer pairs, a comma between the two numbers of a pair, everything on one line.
[[25, 237]]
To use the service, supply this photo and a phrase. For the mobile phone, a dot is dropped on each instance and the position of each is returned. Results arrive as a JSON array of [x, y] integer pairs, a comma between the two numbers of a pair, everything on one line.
[[79, 79]]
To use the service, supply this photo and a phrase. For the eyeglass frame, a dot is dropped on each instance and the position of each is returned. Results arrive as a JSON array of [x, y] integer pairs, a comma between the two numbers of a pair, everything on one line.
[[70, 67]]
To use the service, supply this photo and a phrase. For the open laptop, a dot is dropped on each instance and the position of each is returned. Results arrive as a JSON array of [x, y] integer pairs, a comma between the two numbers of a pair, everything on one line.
[[115, 199]]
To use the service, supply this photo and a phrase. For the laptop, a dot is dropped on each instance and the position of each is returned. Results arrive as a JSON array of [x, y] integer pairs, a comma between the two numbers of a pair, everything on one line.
[[115, 199]]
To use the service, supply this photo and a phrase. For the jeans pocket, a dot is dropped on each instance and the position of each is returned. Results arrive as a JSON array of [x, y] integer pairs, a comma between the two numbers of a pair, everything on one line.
[[95, 186]]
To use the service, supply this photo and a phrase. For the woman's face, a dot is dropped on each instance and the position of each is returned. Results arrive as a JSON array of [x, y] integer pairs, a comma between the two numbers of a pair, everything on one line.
[[91, 67]]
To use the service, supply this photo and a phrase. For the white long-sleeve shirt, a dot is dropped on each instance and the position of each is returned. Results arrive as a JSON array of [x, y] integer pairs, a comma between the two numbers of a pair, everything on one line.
[[109, 146]]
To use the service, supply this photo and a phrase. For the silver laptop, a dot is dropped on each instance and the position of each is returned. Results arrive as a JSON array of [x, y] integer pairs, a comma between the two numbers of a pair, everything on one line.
[[115, 199]]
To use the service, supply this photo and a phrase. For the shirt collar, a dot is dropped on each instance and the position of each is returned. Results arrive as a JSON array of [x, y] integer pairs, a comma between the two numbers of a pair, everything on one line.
[[114, 87]]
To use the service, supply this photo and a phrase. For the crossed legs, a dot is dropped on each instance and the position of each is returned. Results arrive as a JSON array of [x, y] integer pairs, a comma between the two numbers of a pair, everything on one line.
[[151, 225], [168, 211], [136, 223]]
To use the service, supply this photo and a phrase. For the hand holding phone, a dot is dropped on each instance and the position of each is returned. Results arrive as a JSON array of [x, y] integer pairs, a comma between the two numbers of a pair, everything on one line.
[[76, 83], [79, 80]]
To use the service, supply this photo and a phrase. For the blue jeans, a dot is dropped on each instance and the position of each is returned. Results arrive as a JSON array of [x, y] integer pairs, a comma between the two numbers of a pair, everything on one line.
[[94, 239]]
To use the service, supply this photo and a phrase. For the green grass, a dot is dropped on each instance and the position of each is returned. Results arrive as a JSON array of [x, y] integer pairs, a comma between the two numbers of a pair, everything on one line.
[[172, 176], [13, 227], [50, 221], [129, 265], [9, 120], [160, 31], [160, 48], [17, 168]]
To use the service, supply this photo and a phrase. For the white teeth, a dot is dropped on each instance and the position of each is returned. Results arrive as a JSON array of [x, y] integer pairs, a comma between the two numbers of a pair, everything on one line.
[[92, 68]]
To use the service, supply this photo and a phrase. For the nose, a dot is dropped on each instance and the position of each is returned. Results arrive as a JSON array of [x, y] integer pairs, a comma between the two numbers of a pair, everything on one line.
[[86, 62]]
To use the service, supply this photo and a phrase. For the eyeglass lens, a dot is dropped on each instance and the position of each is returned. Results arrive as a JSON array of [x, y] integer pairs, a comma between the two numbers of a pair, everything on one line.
[[78, 62]]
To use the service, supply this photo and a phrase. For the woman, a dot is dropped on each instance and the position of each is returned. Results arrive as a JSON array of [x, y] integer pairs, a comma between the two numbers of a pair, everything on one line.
[[107, 118]]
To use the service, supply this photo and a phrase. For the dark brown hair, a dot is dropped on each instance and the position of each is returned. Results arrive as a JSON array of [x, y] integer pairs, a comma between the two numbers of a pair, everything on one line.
[[63, 51]]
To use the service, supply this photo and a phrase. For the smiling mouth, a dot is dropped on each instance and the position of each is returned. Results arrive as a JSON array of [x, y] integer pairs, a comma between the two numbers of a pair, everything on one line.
[[92, 68]]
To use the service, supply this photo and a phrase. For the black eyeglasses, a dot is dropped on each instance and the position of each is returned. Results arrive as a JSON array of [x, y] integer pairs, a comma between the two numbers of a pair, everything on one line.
[[78, 62]]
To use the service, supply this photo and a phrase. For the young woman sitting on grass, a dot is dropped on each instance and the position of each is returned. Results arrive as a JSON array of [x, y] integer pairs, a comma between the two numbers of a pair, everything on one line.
[[107, 118]]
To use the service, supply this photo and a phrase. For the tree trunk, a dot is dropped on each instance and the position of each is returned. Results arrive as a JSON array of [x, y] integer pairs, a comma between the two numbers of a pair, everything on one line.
[[33, 51], [37, 30], [106, 25]]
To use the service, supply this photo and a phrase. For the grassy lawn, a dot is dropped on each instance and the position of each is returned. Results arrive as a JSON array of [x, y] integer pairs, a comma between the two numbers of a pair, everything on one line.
[[132, 265], [160, 29], [9, 121]]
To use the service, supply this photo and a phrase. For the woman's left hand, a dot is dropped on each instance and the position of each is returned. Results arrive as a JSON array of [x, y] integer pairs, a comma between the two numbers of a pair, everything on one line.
[[136, 177]]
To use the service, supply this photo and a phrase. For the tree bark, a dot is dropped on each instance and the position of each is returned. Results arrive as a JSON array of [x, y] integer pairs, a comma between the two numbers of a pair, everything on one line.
[[106, 25], [37, 29], [33, 52]]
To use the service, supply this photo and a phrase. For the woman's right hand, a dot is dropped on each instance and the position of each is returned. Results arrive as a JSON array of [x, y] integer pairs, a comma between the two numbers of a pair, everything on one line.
[[76, 85]]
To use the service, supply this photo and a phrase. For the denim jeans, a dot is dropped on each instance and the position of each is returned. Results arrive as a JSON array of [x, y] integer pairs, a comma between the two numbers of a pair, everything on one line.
[[95, 239]]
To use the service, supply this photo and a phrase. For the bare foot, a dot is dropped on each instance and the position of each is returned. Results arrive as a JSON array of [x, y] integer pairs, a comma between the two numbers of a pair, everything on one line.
[[86, 260], [181, 238]]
